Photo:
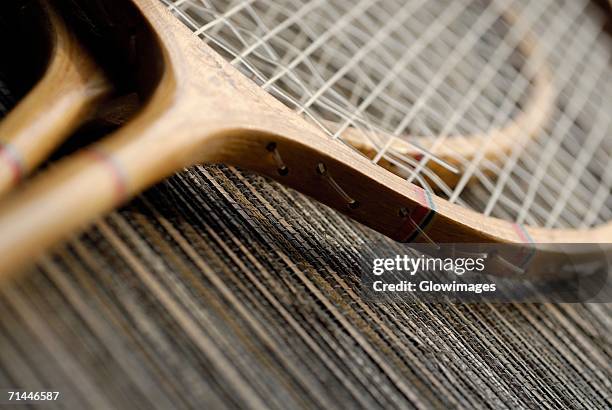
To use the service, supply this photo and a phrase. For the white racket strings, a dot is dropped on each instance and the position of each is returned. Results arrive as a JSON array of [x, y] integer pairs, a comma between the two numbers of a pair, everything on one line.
[[440, 69]]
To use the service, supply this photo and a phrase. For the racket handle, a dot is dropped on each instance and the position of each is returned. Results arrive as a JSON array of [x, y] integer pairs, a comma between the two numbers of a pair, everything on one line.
[[86, 185], [36, 126], [69, 89], [55, 204]]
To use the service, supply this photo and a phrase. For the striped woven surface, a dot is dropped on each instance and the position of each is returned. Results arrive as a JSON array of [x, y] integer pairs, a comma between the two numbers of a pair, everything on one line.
[[220, 289]]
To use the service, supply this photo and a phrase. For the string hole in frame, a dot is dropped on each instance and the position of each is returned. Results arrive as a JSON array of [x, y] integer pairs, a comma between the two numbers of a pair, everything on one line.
[[354, 204], [321, 169], [351, 203], [281, 168]]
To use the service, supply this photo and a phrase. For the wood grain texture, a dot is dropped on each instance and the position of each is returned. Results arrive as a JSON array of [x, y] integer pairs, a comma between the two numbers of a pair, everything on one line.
[[204, 111], [61, 101]]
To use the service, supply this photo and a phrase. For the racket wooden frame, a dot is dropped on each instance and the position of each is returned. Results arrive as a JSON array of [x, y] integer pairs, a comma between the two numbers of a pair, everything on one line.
[[62, 99], [203, 110]]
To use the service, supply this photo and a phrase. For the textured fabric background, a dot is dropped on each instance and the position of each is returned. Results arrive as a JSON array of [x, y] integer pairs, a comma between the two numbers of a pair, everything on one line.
[[220, 289]]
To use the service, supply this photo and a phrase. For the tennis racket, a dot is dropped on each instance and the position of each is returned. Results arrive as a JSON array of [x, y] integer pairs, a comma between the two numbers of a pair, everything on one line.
[[274, 87]]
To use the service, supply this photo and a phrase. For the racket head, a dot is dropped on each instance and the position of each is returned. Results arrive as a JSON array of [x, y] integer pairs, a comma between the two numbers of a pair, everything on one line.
[[437, 72]]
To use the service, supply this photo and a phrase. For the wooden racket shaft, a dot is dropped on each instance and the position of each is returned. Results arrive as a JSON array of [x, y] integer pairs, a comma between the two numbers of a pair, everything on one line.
[[204, 111], [60, 102]]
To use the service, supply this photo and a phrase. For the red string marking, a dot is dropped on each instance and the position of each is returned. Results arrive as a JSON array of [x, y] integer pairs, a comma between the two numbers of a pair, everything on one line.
[[525, 238], [11, 157], [419, 218], [522, 233], [117, 173]]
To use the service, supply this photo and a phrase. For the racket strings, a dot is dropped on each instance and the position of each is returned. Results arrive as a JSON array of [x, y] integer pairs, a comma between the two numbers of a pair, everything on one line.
[[439, 69], [569, 160], [516, 174]]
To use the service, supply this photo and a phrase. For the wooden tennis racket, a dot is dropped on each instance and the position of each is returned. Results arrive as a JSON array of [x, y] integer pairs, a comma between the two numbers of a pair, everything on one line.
[[71, 86], [283, 111]]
